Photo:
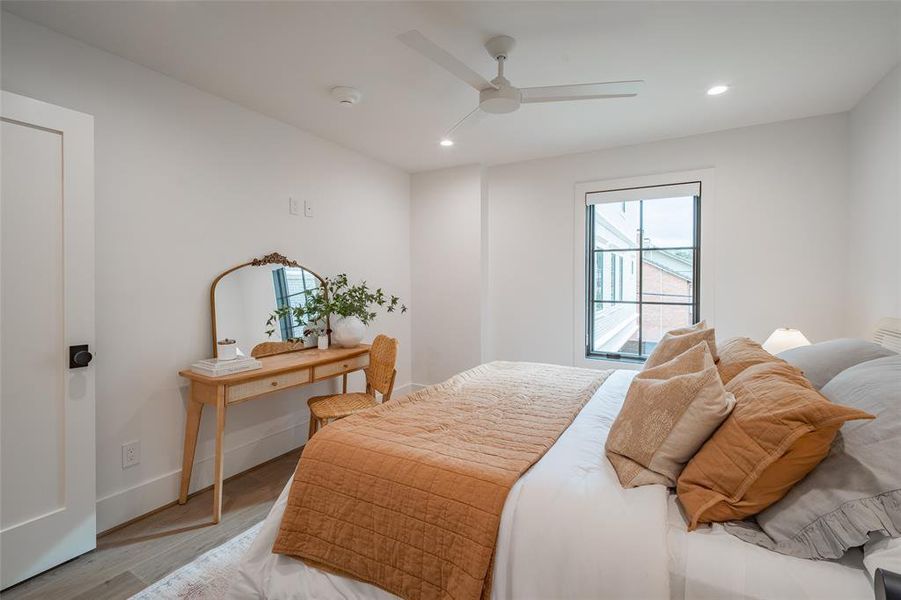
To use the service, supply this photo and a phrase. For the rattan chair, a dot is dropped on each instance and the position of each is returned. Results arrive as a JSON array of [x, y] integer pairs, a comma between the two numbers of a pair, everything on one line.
[[380, 376]]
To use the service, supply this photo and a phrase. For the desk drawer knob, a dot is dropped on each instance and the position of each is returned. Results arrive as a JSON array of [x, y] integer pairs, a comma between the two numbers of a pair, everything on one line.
[[274, 384]]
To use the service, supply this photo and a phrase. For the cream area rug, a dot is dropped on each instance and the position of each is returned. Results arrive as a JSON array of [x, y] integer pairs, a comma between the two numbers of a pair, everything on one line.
[[208, 577]]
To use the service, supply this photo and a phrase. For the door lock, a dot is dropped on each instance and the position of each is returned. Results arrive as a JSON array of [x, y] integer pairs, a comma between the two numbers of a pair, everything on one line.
[[79, 356]]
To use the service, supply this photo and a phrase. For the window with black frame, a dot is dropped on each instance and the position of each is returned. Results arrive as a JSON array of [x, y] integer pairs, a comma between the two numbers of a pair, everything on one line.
[[643, 258], [292, 288]]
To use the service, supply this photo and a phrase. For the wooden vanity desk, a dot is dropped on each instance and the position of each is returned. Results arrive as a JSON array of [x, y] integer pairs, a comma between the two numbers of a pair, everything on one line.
[[279, 372]]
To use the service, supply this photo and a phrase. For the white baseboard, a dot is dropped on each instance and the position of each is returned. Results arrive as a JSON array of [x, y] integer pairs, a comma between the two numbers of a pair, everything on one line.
[[406, 389], [121, 506], [149, 495]]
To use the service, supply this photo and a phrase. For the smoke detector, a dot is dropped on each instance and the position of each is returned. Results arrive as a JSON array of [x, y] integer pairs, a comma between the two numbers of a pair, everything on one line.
[[346, 96]]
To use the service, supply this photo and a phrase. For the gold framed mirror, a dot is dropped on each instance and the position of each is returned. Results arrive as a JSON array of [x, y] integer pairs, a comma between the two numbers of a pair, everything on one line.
[[243, 297]]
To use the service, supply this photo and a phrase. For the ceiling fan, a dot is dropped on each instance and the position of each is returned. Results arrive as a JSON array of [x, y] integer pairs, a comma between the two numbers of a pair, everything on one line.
[[499, 95]]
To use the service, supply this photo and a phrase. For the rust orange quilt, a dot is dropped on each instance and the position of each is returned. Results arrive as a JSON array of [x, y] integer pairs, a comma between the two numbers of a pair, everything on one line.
[[408, 495]]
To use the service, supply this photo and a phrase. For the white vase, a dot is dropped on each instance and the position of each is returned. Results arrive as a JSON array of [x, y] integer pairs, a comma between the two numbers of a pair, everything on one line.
[[323, 342], [348, 331]]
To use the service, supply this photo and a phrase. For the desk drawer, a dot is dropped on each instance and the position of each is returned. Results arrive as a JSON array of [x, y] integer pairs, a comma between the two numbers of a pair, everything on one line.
[[341, 366], [264, 385]]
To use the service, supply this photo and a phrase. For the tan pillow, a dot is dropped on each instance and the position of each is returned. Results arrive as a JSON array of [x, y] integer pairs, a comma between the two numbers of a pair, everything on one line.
[[737, 354], [677, 341], [669, 412], [780, 429]]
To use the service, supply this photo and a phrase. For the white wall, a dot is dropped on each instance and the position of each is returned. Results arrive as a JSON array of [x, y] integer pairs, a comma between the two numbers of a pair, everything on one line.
[[188, 185], [874, 206], [775, 251], [780, 222], [446, 255]]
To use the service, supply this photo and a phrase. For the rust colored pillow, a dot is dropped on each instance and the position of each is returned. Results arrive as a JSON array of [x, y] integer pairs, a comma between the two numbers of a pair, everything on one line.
[[677, 341], [779, 430], [737, 354]]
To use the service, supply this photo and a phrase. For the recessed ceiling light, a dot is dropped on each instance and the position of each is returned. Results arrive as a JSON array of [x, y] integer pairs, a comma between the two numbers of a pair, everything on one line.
[[446, 142], [717, 90]]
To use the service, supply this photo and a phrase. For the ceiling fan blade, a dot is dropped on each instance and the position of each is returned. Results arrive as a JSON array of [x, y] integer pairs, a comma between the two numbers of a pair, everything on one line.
[[582, 91], [437, 54], [471, 119]]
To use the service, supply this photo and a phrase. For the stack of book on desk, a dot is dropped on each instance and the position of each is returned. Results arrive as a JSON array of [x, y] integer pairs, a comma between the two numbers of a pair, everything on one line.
[[213, 367]]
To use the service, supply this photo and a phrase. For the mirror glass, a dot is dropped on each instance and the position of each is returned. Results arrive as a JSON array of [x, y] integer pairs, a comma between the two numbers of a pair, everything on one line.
[[245, 298]]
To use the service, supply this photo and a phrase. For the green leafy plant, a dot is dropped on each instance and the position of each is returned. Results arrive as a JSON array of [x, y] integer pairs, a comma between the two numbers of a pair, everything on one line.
[[341, 299]]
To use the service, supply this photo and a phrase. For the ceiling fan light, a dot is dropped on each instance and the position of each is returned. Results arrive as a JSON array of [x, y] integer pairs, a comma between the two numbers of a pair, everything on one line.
[[504, 99], [717, 90], [446, 142]]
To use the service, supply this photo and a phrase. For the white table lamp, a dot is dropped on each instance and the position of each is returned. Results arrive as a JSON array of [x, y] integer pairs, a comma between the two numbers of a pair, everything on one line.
[[784, 339]]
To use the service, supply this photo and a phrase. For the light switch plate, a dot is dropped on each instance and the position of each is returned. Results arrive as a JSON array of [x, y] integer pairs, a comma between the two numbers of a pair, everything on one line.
[[294, 206], [307, 208]]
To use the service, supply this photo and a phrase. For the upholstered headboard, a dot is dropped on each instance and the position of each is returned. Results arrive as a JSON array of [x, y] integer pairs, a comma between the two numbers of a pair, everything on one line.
[[888, 333]]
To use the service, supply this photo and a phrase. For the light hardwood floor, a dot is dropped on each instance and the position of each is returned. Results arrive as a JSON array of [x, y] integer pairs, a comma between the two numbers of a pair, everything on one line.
[[129, 559]]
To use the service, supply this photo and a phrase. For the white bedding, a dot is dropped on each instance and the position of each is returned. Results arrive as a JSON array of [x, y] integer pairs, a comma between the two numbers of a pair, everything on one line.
[[710, 564], [568, 530]]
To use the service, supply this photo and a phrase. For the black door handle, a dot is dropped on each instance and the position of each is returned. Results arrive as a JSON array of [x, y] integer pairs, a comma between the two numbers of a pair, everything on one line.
[[79, 356]]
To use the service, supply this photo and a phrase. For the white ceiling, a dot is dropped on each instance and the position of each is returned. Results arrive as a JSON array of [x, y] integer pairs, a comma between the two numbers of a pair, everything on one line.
[[783, 61]]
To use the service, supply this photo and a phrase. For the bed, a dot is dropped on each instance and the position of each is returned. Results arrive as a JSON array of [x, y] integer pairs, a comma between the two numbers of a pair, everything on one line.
[[568, 530]]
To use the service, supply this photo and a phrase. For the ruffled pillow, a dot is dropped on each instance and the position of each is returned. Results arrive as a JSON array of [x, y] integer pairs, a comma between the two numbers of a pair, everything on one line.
[[823, 361]]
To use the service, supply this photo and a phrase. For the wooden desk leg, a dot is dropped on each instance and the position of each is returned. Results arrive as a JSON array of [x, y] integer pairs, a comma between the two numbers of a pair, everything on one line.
[[217, 474], [192, 425], [344, 383]]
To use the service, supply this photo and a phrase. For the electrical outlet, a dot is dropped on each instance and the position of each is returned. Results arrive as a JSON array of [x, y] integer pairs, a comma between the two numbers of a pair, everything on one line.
[[131, 454], [293, 206], [307, 208]]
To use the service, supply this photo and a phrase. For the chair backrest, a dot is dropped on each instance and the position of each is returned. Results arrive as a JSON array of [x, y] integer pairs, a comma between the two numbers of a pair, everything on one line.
[[380, 373], [270, 348]]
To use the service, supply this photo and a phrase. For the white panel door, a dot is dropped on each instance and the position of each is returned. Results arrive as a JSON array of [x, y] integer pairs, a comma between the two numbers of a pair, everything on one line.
[[47, 465]]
